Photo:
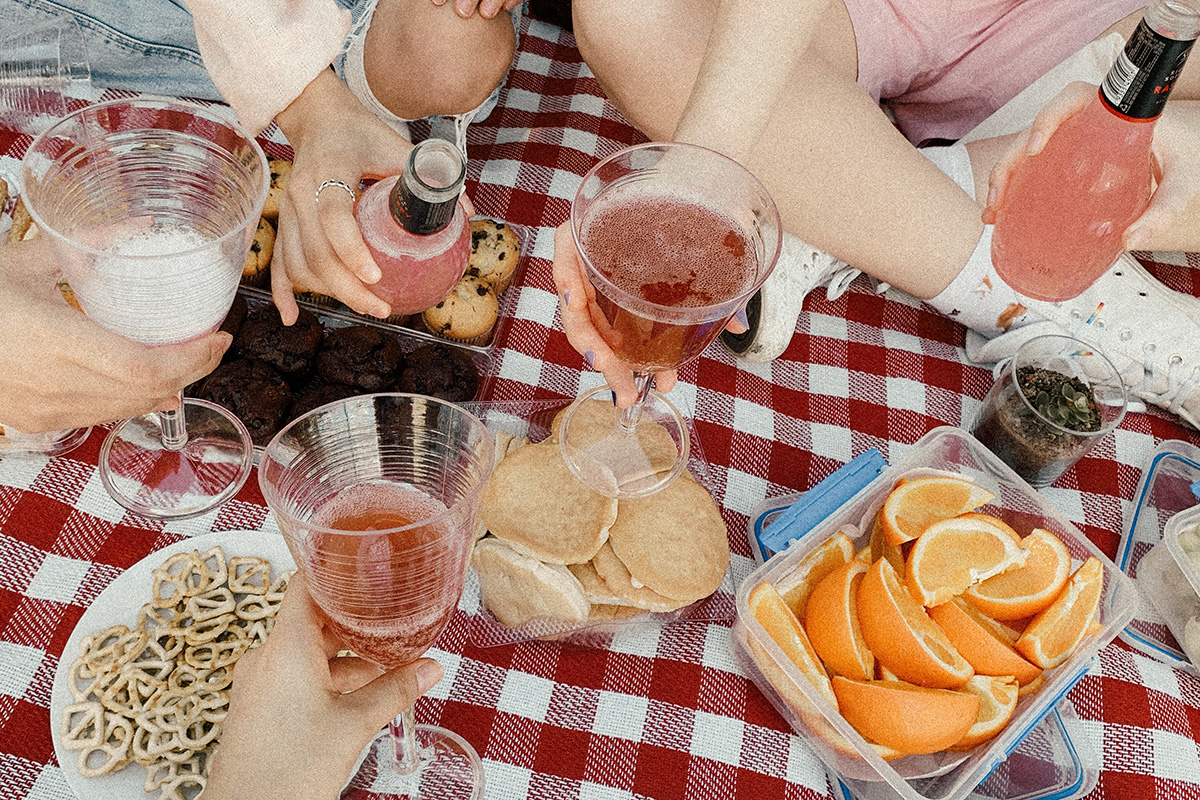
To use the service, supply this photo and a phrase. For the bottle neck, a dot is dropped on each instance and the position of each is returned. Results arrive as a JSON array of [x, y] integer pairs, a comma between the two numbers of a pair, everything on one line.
[[424, 198], [1141, 79]]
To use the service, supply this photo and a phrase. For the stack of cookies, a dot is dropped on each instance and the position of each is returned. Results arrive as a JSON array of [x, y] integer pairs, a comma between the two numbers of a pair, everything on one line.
[[557, 555]]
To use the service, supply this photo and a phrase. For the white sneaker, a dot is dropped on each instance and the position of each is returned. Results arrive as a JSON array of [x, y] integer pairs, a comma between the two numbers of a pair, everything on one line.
[[1151, 334], [773, 311]]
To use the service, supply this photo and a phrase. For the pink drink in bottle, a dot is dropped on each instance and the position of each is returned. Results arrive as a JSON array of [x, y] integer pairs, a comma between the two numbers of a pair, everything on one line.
[[416, 228], [1066, 209]]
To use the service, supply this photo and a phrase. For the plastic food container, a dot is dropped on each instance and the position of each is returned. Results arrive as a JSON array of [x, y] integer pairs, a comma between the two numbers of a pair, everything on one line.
[[1175, 590], [532, 419], [1047, 765], [414, 326], [946, 775], [1170, 484]]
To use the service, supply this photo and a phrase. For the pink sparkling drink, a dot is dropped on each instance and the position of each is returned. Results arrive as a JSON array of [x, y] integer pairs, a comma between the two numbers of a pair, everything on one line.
[[416, 228], [1063, 218]]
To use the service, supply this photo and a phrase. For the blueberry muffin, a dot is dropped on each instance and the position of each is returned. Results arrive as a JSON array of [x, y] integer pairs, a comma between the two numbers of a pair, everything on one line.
[[360, 355], [467, 314], [290, 349], [439, 370], [281, 170], [495, 252], [258, 260], [256, 394]]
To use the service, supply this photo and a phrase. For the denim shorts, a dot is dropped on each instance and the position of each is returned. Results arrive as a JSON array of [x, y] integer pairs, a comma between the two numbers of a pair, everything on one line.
[[150, 46]]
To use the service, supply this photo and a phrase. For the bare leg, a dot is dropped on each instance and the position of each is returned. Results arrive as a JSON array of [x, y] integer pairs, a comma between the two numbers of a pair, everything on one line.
[[423, 59]]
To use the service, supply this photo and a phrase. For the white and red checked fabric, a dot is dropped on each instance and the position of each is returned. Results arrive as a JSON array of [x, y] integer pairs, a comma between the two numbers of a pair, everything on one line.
[[659, 714]]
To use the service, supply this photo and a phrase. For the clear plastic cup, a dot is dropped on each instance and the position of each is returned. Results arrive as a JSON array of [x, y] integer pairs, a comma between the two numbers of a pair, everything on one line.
[[41, 68]]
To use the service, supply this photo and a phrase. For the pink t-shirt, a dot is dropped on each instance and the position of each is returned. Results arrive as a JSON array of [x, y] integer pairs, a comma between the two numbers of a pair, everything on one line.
[[261, 54], [943, 66]]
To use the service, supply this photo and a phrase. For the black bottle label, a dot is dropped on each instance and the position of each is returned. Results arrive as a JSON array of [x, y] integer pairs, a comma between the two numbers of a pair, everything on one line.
[[419, 216], [1140, 81]]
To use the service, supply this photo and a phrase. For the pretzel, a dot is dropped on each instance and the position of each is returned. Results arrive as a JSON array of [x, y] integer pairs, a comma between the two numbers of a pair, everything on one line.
[[115, 747], [249, 575], [158, 694]]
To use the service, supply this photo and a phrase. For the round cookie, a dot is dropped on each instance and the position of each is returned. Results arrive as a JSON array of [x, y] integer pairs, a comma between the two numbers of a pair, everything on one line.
[[619, 581], [538, 507], [495, 252], [360, 355], [467, 314], [439, 370], [255, 270], [673, 542], [288, 348], [281, 170], [254, 392], [518, 589], [318, 395]]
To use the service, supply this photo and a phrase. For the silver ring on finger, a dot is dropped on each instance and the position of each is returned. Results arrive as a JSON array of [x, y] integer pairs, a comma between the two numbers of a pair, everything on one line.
[[334, 182]]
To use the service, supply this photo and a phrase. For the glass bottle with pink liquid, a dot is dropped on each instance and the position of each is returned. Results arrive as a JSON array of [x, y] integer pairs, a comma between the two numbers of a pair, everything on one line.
[[1066, 209], [416, 228]]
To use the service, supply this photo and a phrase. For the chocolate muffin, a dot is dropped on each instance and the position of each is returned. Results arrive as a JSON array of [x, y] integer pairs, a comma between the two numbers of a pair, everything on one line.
[[235, 318], [318, 395], [439, 370], [360, 355], [255, 392], [290, 349]]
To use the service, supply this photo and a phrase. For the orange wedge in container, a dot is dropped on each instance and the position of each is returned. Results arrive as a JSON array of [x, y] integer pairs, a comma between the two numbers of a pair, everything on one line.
[[1054, 635], [902, 636], [982, 642], [954, 554], [916, 504], [997, 701], [831, 621], [1029, 589], [781, 625], [905, 717], [822, 560]]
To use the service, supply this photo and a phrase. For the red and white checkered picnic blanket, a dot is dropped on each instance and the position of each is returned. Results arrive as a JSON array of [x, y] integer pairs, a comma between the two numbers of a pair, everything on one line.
[[662, 713]]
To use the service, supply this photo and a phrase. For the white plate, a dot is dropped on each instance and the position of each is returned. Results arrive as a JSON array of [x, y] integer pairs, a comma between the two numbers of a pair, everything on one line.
[[118, 604]]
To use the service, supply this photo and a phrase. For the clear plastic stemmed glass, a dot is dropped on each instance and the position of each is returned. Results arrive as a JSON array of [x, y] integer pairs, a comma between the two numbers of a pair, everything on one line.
[[378, 499], [150, 205], [674, 239]]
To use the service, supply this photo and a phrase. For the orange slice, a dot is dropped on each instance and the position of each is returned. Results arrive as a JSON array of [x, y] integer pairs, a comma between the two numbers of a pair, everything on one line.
[[902, 637], [1053, 635], [916, 504], [880, 547], [954, 554], [1032, 686], [781, 625], [1029, 589], [831, 621], [997, 701], [824, 559], [907, 718], [982, 642]]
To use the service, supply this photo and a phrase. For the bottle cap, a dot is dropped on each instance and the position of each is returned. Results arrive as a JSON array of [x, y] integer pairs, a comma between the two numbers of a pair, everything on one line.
[[423, 199]]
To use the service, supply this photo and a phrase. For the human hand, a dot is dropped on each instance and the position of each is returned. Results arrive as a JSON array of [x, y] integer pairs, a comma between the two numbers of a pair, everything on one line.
[[58, 369], [487, 8], [582, 320], [1175, 148], [318, 244], [299, 716]]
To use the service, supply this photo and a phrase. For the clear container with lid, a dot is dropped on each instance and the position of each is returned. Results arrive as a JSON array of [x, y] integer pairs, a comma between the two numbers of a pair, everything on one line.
[[946, 775]]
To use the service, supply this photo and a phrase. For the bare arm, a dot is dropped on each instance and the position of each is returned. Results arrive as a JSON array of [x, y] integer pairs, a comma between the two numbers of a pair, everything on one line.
[[752, 53]]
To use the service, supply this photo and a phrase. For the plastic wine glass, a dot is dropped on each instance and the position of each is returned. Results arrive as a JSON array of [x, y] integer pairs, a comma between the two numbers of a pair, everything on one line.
[[675, 239], [150, 205], [378, 499]]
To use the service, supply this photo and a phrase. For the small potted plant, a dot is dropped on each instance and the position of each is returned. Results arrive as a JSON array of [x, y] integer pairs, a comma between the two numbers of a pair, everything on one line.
[[1053, 402]]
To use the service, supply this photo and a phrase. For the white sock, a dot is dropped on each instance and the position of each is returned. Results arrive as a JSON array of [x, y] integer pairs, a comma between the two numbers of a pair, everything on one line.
[[977, 297]]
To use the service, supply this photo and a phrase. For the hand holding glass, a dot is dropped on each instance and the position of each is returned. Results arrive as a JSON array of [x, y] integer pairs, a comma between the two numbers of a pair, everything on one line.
[[151, 205], [675, 239]]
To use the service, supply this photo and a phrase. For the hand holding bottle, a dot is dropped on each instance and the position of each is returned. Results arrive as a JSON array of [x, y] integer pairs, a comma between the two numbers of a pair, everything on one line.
[[1176, 151]]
